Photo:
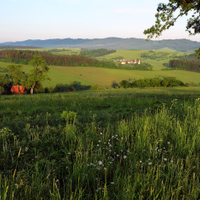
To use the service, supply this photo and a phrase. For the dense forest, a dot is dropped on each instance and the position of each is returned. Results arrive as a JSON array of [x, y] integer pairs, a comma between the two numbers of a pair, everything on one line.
[[95, 52], [24, 56], [189, 65]]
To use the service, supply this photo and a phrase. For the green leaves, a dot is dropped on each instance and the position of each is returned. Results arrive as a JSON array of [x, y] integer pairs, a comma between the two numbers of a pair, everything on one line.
[[165, 17], [38, 73]]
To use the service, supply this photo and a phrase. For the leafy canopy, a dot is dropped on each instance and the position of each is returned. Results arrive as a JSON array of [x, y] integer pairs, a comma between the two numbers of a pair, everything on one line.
[[38, 73], [165, 17], [167, 14]]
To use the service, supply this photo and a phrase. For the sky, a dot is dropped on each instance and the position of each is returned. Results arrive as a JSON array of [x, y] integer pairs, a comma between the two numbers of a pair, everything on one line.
[[49, 19]]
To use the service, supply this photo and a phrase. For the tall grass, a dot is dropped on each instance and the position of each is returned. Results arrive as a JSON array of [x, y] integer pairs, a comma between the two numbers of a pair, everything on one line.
[[151, 151]]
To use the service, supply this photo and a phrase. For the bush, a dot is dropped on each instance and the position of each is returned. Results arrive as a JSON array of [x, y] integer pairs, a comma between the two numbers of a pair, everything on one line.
[[124, 84], [152, 82], [1, 89], [114, 84], [97, 87]]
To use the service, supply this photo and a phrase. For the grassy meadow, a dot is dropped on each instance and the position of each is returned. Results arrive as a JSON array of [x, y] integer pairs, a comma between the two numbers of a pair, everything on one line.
[[105, 76], [112, 144]]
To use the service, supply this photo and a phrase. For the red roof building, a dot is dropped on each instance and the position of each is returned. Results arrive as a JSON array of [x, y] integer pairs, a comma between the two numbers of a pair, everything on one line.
[[18, 89]]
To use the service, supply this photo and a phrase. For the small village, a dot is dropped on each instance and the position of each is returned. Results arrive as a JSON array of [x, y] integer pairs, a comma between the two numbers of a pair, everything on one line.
[[124, 61]]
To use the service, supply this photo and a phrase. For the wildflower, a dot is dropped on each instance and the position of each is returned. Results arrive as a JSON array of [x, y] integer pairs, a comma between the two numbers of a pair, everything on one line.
[[101, 133], [112, 183], [105, 168], [100, 163], [124, 157], [140, 161], [97, 144], [57, 180], [99, 141], [168, 142], [150, 163], [165, 159]]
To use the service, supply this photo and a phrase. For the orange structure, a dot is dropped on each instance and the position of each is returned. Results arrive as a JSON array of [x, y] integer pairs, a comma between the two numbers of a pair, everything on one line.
[[18, 89]]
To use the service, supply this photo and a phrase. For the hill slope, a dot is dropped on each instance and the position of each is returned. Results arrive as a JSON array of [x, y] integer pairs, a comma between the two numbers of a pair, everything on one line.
[[111, 43]]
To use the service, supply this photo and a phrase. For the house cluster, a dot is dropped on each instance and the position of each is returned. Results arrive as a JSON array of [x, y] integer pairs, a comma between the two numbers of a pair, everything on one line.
[[124, 61]]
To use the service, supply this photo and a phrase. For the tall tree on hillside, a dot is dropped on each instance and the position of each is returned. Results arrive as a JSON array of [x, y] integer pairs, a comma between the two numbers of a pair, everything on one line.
[[16, 74], [38, 73], [167, 14]]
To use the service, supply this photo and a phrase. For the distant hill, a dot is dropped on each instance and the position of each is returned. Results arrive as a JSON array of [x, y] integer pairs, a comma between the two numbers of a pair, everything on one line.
[[182, 45]]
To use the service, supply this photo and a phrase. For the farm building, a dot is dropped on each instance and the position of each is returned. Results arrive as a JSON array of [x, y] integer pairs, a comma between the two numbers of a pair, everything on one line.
[[18, 89]]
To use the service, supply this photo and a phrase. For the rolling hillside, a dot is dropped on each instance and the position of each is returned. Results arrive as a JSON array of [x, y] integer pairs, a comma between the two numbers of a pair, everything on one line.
[[111, 43]]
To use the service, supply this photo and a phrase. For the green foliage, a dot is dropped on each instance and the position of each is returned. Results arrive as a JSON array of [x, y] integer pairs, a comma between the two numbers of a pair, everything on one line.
[[189, 65], [165, 17], [17, 76], [38, 73], [115, 85], [114, 146], [95, 52], [97, 87], [152, 82], [124, 84], [6, 84], [1, 90], [69, 116]]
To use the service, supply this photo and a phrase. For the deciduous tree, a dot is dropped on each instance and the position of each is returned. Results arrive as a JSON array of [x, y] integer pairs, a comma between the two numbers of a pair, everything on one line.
[[38, 73], [167, 14]]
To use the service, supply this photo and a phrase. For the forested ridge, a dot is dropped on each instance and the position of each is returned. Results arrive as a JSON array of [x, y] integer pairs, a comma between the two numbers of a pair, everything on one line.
[[24, 56], [189, 65], [95, 52]]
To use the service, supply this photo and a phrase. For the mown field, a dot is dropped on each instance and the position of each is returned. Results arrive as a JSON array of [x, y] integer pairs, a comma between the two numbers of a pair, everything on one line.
[[112, 144], [105, 76]]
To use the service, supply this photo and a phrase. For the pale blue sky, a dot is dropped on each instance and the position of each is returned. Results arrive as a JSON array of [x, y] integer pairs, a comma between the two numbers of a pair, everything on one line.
[[48, 19]]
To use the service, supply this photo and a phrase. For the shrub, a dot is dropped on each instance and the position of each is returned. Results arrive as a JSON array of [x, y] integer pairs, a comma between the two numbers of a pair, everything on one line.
[[124, 84], [97, 87], [114, 84]]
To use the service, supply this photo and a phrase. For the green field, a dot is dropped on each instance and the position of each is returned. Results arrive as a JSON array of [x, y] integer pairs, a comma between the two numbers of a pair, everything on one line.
[[112, 144], [104, 76]]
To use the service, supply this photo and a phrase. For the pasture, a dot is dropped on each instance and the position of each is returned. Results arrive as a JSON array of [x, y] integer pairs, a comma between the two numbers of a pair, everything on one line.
[[112, 144], [105, 76]]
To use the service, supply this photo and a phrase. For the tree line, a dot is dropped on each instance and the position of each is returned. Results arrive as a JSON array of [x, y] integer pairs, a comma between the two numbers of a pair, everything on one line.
[[25, 56], [96, 52], [149, 82], [189, 65]]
